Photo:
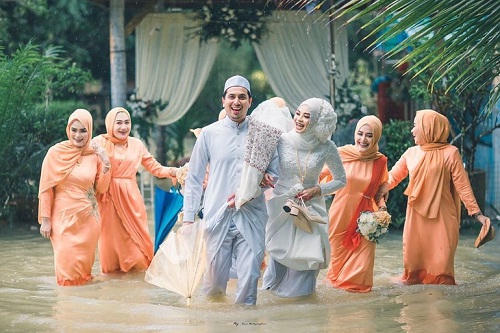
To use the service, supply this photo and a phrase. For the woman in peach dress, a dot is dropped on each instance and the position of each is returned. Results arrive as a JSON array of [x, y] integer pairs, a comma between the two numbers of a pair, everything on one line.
[[353, 256], [438, 181], [125, 243], [72, 172]]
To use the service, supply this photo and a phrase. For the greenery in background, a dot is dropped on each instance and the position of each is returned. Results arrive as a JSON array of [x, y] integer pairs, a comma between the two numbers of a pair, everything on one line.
[[30, 121], [80, 28], [466, 108], [348, 104], [453, 31], [395, 141]]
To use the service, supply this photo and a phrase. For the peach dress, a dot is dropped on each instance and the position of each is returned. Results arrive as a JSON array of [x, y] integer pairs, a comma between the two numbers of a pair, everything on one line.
[[125, 243], [438, 181], [69, 202], [351, 263]]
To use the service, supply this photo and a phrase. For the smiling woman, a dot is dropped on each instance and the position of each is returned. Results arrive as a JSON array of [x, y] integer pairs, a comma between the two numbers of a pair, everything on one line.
[[79, 134], [302, 119], [72, 172], [296, 231], [125, 244], [353, 256]]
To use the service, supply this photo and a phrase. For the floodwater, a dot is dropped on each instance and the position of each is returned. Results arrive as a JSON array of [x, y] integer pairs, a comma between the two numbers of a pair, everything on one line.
[[30, 300]]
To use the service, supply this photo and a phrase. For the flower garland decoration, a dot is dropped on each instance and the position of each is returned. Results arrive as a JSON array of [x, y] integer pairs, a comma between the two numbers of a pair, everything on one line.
[[225, 22], [374, 225]]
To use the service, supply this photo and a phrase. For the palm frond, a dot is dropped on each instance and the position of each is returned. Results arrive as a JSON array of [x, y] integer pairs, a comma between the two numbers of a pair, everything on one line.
[[455, 30]]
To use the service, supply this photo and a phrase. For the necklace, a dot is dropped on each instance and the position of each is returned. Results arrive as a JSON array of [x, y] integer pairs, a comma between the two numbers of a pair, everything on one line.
[[302, 176]]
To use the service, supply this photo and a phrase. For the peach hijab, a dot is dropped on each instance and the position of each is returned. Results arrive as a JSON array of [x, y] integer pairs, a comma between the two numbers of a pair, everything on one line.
[[350, 153], [63, 157], [435, 129], [111, 140]]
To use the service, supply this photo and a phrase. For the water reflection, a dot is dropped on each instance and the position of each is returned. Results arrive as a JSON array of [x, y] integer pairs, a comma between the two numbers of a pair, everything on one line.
[[32, 301]]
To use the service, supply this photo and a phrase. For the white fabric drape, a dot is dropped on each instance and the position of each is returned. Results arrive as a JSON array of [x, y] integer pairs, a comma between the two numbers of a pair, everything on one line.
[[170, 66], [295, 54]]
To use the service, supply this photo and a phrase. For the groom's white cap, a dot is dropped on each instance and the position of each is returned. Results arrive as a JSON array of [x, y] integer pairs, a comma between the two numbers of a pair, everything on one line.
[[237, 81]]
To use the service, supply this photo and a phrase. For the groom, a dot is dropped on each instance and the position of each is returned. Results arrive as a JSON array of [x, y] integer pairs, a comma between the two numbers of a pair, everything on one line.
[[229, 233]]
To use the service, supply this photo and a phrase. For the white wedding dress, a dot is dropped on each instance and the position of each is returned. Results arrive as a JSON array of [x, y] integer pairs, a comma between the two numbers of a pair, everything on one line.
[[295, 256]]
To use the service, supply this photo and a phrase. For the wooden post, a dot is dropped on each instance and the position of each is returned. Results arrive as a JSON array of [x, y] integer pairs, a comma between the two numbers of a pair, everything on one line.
[[117, 53]]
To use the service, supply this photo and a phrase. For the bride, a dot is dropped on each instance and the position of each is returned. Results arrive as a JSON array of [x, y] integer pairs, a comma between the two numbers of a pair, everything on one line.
[[296, 255]]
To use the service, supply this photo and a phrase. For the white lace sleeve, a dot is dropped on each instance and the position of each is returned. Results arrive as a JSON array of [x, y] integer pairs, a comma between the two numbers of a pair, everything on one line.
[[296, 163], [334, 163]]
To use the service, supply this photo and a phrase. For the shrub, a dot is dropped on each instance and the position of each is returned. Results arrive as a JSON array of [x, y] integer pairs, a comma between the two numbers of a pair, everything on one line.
[[396, 140]]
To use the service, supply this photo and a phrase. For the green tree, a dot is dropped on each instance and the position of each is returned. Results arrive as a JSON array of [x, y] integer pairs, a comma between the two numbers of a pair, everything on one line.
[[80, 28]]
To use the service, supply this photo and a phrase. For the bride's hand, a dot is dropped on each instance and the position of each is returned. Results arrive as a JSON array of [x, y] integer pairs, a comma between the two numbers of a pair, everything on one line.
[[309, 193]]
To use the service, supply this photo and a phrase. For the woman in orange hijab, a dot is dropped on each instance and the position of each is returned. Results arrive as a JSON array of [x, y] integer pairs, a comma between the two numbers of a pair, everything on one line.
[[72, 172], [125, 243], [438, 181], [353, 256]]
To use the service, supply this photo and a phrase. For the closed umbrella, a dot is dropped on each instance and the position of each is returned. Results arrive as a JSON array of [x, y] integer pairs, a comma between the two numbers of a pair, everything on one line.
[[168, 204]]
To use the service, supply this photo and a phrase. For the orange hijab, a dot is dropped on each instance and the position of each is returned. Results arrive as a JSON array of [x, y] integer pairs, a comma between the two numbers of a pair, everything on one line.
[[350, 153], [435, 130], [111, 140], [62, 157]]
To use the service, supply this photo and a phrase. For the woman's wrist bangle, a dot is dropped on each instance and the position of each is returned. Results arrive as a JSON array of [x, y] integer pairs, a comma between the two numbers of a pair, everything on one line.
[[477, 214], [107, 165], [382, 208], [319, 188]]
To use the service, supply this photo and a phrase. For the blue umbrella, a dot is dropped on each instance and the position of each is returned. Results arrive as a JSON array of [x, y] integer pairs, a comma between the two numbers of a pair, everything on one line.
[[168, 204]]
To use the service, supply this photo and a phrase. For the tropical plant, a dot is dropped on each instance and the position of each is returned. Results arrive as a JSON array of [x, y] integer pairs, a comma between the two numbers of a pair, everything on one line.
[[452, 45], [80, 28], [455, 30]]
